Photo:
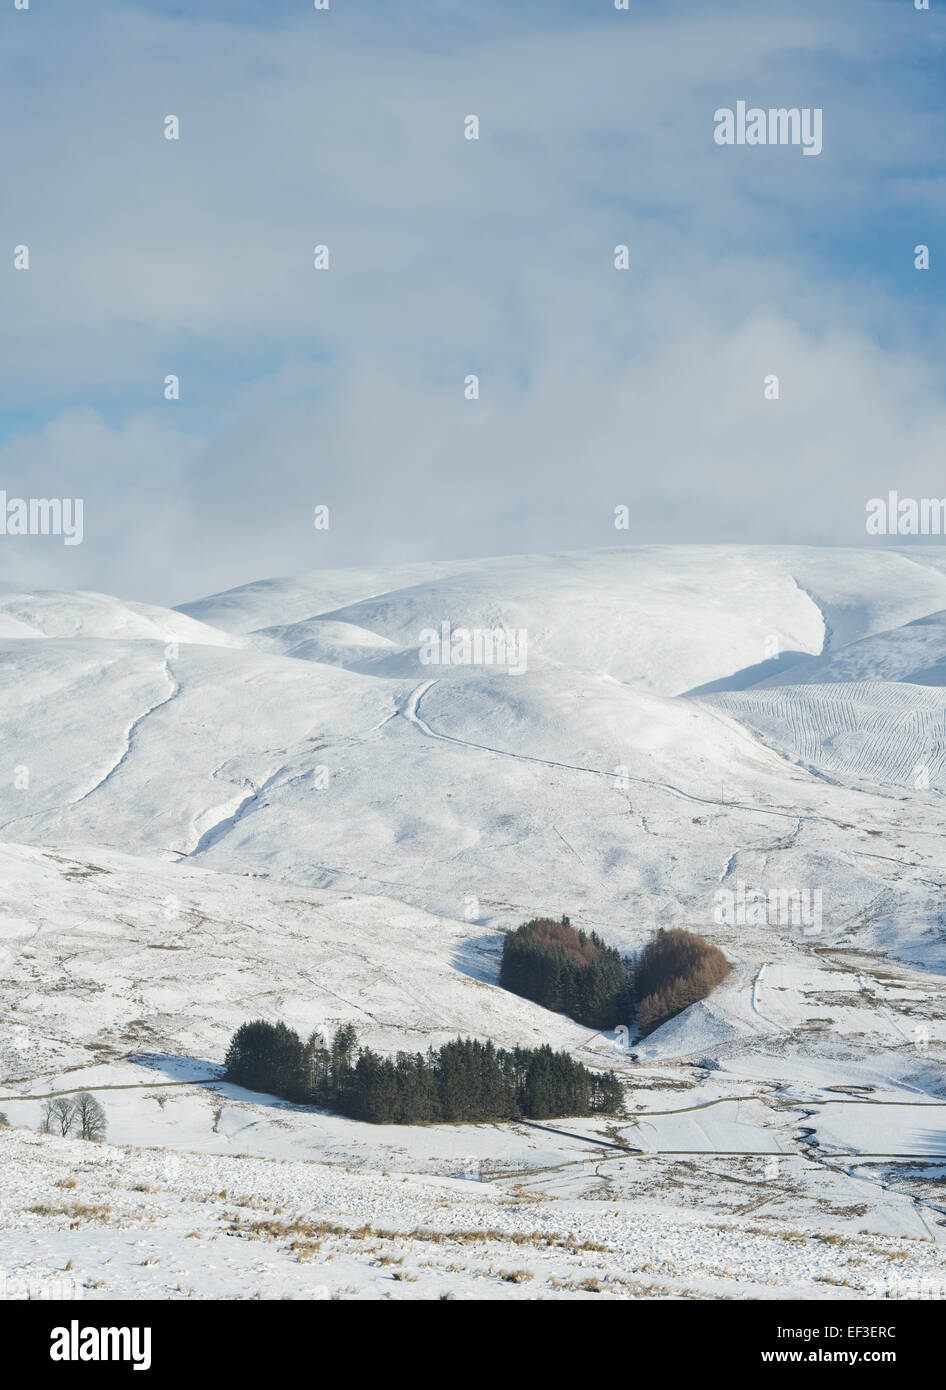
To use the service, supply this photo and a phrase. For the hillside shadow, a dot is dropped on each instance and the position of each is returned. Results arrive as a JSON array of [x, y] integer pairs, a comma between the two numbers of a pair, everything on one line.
[[929, 675], [178, 1069], [196, 1071], [930, 1142], [752, 675], [479, 957]]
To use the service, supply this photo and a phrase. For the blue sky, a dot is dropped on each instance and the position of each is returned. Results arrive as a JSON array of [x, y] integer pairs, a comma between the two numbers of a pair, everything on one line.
[[598, 388]]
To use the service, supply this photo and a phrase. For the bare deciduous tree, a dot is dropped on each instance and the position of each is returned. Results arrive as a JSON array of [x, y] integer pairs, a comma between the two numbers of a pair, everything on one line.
[[90, 1116], [59, 1115]]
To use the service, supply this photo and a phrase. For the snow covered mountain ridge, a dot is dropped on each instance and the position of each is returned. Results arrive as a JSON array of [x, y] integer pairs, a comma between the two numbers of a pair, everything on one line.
[[686, 716], [271, 802]]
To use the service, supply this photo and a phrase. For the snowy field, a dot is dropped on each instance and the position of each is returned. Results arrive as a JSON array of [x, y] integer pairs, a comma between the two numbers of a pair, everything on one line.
[[265, 804]]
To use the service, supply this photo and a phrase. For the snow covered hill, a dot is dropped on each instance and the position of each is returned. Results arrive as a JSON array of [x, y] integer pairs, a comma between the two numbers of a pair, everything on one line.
[[320, 750], [269, 802], [799, 1087], [55, 613], [669, 617], [914, 653]]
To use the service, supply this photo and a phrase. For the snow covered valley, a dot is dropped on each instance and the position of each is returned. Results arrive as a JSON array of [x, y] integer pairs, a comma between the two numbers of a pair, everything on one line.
[[266, 804]]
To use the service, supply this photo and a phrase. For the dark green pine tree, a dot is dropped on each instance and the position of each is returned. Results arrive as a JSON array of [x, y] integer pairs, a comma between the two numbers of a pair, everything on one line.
[[451, 1081], [267, 1057], [316, 1069], [607, 1093], [373, 1089], [342, 1055], [287, 1073], [539, 1090]]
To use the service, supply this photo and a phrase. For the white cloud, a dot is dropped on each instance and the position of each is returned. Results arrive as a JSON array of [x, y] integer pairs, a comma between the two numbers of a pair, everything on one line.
[[449, 256]]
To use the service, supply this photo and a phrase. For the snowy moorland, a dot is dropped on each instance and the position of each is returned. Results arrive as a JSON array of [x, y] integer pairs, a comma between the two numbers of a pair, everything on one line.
[[269, 804]]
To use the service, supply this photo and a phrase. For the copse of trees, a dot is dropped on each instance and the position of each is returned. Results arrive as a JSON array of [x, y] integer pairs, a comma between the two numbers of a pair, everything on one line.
[[566, 970], [552, 963], [675, 969], [80, 1114], [462, 1080], [576, 974]]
